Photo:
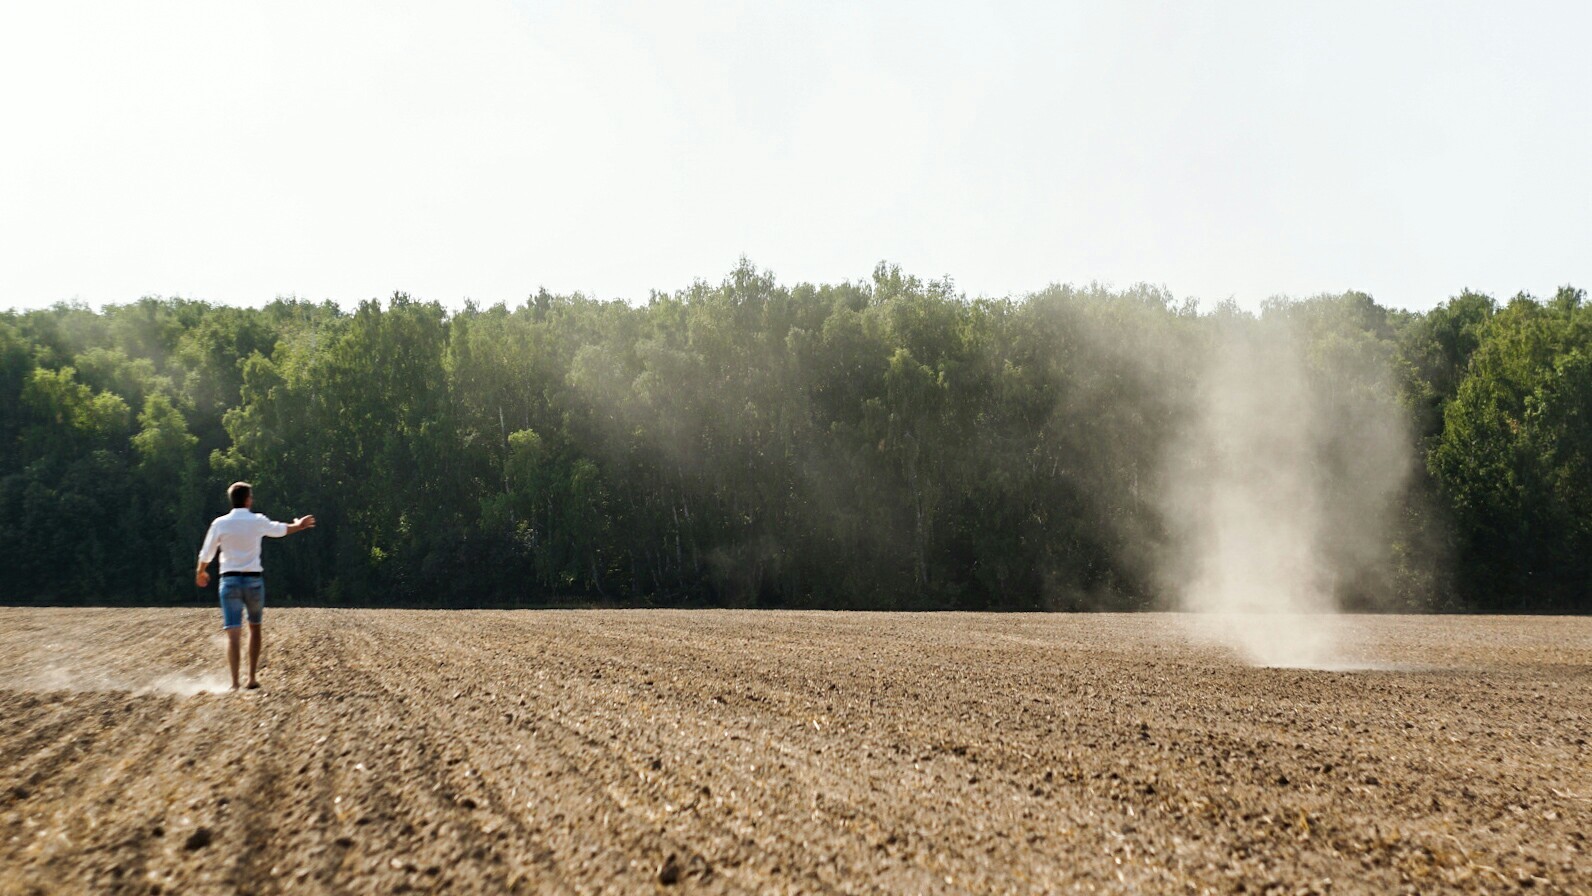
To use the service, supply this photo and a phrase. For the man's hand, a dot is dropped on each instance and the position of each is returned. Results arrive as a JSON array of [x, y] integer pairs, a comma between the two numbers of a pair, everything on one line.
[[302, 523], [202, 578]]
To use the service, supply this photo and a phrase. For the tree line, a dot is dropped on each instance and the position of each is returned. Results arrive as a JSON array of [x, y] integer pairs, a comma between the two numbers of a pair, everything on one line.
[[881, 444]]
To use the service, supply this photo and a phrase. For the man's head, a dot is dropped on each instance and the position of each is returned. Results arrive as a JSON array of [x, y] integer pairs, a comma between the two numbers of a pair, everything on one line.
[[241, 494]]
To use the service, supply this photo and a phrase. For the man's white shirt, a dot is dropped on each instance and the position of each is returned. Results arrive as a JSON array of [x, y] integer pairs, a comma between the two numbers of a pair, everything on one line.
[[237, 536]]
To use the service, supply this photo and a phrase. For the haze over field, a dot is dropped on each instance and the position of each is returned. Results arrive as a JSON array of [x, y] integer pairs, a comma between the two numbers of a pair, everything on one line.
[[853, 433]]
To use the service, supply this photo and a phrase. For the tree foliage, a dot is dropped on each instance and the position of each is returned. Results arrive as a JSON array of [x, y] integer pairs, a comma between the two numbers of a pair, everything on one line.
[[885, 443]]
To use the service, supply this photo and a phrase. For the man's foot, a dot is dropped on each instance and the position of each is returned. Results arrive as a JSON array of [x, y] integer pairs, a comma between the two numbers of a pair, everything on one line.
[[254, 685]]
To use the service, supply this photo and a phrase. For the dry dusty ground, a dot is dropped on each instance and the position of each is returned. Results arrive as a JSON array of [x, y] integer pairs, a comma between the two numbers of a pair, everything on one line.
[[642, 751]]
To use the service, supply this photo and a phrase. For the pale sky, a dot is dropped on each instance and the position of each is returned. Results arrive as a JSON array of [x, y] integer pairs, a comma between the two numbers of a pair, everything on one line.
[[237, 151]]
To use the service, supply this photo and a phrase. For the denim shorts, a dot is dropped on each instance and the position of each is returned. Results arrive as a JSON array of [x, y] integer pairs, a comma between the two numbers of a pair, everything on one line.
[[238, 593]]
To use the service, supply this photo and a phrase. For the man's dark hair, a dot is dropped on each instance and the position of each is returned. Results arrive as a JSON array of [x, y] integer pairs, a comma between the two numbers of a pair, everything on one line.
[[238, 493]]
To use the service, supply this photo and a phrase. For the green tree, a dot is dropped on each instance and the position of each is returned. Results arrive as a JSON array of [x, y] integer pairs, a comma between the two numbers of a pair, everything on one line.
[[1512, 457]]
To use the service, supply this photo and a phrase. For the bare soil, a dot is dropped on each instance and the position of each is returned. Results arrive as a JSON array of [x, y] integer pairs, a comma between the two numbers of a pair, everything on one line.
[[758, 752]]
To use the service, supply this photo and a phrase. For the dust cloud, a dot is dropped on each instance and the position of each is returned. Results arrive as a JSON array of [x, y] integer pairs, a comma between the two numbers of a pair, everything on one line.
[[88, 666], [1280, 488], [61, 678]]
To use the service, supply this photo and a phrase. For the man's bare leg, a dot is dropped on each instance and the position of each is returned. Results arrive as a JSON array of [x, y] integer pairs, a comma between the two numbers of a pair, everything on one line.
[[233, 634], [255, 633]]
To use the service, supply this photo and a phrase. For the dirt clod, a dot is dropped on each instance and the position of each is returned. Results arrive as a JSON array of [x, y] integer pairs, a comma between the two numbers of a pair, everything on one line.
[[669, 871]]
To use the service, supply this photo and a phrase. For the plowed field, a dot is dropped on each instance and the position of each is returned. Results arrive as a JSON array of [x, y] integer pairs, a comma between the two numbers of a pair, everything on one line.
[[752, 752]]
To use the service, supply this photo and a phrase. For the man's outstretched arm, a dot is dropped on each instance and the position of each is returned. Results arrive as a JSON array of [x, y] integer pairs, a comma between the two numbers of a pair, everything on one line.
[[277, 529]]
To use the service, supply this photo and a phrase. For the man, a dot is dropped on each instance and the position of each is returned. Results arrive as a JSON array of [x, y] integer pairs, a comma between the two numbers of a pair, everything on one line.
[[237, 537]]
